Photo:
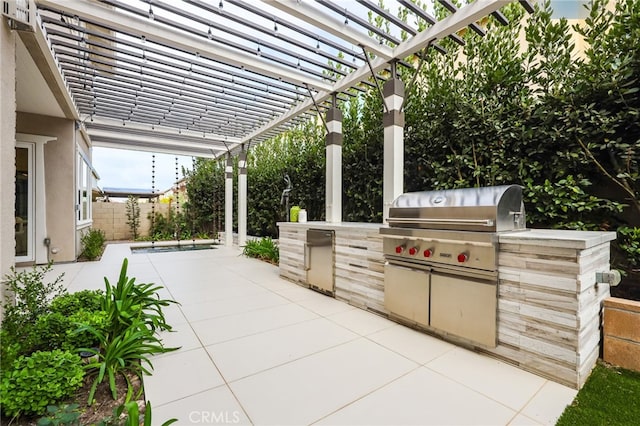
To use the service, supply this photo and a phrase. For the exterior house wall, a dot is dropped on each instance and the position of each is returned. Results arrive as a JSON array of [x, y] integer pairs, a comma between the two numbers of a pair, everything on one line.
[[60, 160], [7, 150]]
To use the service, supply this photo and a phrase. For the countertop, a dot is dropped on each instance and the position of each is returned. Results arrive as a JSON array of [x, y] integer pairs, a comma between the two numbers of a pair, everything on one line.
[[546, 237], [337, 225], [557, 238]]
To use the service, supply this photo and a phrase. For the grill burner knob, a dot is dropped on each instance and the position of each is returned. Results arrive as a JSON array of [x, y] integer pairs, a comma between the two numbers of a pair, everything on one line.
[[413, 251], [399, 249], [463, 257], [428, 253]]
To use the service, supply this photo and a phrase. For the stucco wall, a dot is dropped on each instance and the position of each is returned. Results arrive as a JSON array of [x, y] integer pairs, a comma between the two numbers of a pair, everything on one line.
[[60, 166], [112, 219], [7, 150]]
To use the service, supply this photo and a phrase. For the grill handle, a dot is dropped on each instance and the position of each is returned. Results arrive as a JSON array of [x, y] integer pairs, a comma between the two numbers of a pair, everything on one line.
[[483, 222]]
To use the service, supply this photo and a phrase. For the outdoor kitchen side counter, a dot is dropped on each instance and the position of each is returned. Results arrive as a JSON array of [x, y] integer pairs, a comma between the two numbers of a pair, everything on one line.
[[549, 305], [359, 264]]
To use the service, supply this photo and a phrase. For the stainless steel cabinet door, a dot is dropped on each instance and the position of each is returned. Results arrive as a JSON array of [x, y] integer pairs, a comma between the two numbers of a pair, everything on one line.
[[320, 264], [464, 308], [406, 293]]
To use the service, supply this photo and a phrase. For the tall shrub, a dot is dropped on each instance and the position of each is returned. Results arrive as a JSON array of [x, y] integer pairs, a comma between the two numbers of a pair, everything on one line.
[[205, 186], [604, 101], [133, 215]]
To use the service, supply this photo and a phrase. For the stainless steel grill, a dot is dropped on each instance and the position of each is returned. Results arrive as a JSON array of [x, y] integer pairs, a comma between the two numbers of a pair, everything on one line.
[[441, 258], [489, 209]]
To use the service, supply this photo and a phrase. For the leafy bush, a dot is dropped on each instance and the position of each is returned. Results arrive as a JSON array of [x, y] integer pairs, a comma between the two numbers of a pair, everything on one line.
[[51, 331], [32, 296], [39, 380], [629, 242], [10, 349], [78, 337], [93, 243], [565, 204], [263, 249], [55, 329], [70, 303], [173, 226]]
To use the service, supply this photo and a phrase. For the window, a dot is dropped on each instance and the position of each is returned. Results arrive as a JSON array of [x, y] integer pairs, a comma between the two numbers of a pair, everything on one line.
[[85, 181]]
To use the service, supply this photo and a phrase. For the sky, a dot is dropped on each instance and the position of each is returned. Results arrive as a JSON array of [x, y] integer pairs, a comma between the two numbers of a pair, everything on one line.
[[120, 168]]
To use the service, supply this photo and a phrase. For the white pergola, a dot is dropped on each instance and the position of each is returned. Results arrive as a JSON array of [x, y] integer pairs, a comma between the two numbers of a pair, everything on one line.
[[212, 78]]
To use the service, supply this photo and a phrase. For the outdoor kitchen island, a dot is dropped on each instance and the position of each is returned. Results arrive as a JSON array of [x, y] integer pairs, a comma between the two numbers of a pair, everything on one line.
[[548, 303]]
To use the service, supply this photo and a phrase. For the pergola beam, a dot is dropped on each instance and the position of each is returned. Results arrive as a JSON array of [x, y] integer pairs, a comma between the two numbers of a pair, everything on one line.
[[326, 22], [464, 17], [168, 36], [160, 133]]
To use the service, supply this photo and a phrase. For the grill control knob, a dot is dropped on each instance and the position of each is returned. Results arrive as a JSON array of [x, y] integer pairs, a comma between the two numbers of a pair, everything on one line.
[[399, 249], [463, 257], [413, 251], [428, 253]]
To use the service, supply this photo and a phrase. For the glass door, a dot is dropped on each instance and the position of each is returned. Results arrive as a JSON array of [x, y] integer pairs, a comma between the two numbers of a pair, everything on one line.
[[24, 218]]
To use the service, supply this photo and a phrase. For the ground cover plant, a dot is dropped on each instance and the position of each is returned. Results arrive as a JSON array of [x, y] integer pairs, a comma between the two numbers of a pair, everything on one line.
[[609, 397], [45, 332], [264, 249]]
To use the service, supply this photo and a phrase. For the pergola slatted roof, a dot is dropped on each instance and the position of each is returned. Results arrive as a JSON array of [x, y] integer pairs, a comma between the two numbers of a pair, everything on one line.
[[205, 78]]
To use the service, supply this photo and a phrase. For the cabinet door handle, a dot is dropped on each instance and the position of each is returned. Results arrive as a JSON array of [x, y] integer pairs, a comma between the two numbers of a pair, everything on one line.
[[307, 257]]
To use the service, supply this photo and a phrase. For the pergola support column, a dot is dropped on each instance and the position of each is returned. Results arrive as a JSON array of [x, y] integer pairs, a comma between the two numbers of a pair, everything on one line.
[[242, 198], [333, 152], [393, 121], [228, 202]]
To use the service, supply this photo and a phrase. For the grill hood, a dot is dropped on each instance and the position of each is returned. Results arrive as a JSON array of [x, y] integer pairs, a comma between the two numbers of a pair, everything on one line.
[[487, 209]]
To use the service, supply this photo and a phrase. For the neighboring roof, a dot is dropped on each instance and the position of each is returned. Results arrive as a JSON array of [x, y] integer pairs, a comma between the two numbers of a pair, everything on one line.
[[205, 78]]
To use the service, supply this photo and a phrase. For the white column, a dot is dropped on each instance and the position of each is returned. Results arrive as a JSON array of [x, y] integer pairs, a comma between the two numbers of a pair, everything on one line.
[[40, 204], [228, 203], [242, 198], [393, 122], [333, 152], [7, 151]]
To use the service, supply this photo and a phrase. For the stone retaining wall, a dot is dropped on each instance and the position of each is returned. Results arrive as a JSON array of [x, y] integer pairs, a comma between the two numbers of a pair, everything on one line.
[[622, 333]]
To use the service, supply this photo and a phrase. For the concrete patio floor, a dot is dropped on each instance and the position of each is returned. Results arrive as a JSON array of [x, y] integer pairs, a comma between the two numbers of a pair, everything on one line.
[[256, 349]]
